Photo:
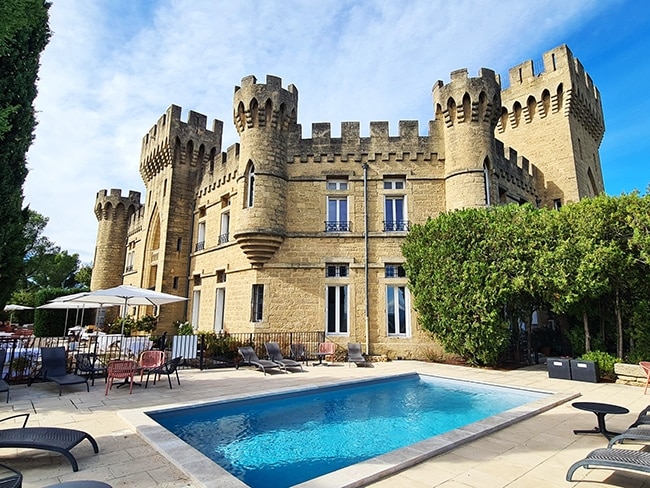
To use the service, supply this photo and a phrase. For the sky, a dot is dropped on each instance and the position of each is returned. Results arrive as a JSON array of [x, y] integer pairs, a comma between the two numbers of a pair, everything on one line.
[[113, 67]]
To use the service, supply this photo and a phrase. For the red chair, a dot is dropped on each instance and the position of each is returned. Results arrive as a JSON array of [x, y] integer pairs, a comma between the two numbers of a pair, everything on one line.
[[645, 365], [149, 360], [121, 370]]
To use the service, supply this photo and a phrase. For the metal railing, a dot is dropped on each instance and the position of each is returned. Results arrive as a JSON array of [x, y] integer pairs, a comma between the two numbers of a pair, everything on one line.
[[204, 351], [396, 225], [337, 226]]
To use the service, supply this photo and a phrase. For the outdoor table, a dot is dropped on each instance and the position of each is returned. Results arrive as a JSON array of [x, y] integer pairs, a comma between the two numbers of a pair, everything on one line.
[[600, 410]]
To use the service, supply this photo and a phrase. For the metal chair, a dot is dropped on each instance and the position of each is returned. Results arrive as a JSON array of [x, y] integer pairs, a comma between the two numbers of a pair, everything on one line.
[[87, 363], [150, 360], [169, 368], [121, 370]]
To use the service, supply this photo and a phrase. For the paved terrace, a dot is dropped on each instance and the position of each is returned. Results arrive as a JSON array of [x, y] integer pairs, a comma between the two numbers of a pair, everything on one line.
[[533, 453]]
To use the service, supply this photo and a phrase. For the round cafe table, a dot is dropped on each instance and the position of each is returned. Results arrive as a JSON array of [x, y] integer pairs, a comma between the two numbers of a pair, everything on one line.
[[600, 410]]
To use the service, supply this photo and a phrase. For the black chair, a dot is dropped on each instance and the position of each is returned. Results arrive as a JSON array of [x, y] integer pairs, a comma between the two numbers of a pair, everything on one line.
[[88, 364], [4, 386], [169, 368], [10, 478], [46, 438], [55, 368]]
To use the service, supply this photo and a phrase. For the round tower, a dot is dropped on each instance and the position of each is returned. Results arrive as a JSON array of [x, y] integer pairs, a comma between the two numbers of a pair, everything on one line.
[[113, 212], [469, 109], [263, 115]]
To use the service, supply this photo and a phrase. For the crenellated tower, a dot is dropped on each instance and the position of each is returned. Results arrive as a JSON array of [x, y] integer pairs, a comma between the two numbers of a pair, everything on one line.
[[113, 212], [468, 108], [173, 153], [554, 115], [263, 116]]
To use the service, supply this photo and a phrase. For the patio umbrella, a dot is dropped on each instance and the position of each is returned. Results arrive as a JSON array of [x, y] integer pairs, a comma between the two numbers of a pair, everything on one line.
[[12, 307], [59, 305], [126, 295]]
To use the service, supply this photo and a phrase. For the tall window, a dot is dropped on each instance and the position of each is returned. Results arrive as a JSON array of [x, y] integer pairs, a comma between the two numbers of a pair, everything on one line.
[[219, 309], [250, 186], [394, 205], [257, 303], [397, 320], [337, 206], [486, 183], [225, 225], [337, 299], [200, 238], [196, 307]]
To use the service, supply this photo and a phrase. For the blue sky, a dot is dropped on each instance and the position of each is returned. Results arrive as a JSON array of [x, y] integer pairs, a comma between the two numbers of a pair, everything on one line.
[[113, 67]]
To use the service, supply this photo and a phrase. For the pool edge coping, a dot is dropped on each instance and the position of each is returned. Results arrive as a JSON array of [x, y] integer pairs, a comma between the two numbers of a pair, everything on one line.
[[206, 473]]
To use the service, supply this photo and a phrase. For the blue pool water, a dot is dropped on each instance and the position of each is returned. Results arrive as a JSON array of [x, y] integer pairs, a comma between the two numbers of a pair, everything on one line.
[[285, 439]]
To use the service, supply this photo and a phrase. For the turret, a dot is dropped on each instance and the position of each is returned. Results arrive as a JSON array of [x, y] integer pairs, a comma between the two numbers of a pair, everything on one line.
[[468, 108], [263, 116], [113, 212]]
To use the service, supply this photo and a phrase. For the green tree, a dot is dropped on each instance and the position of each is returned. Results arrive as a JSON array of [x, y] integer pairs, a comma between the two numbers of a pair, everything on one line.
[[46, 265], [467, 272], [24, 33]]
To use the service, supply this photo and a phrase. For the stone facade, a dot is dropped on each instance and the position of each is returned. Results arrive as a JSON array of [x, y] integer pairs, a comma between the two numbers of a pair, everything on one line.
[[285, 233]]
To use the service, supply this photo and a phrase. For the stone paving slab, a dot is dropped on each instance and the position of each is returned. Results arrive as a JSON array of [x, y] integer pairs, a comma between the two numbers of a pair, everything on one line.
[[533, 453]]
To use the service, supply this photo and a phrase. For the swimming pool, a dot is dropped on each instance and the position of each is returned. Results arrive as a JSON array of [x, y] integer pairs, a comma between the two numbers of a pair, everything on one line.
[[285, 439]]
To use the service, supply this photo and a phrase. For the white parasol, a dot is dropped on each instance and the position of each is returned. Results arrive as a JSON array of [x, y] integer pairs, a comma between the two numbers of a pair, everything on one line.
[[124, 295]]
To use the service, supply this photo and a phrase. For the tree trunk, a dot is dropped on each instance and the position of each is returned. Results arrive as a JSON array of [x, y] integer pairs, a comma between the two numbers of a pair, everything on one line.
[[585, 323], [619, 327]]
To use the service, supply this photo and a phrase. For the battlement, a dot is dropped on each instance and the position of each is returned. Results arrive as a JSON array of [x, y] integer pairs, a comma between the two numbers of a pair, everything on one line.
[[273, 82], [515, 171], [172, 141], [107, 202], [559, 59]]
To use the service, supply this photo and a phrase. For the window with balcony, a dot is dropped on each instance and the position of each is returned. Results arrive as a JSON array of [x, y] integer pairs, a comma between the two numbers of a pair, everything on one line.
[[395, 205], [200, 237], [225, 227]]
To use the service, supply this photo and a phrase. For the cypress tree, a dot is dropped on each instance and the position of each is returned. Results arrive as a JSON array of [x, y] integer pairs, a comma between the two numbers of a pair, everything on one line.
[[24, 33]]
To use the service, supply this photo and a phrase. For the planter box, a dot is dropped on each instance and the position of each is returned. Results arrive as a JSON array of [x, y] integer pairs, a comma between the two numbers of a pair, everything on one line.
[[584, 371], [558, 368]]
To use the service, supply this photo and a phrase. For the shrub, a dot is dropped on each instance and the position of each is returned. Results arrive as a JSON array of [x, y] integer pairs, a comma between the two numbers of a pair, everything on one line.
[[605, 362]]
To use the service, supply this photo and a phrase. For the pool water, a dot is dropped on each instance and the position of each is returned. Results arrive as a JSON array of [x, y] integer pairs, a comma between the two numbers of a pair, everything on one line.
[[282, 440]]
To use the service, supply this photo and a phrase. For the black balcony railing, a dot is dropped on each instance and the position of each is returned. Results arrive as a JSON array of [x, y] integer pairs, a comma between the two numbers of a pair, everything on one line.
[[337, 226], [223, 238], [396, 225], [129, 268], [199, 246]]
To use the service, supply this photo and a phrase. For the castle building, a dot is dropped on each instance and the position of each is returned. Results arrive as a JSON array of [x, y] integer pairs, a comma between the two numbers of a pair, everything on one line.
[[284, 233]]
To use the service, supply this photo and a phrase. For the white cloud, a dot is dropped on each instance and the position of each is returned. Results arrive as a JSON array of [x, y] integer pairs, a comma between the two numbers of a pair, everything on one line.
[[112, 68]]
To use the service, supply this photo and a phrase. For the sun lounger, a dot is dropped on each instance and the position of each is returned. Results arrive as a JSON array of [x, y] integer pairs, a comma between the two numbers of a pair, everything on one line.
[[634, 435], [55, 368], [251, 359], [275, 355], [354, 354], [615, 459], [46, 438]]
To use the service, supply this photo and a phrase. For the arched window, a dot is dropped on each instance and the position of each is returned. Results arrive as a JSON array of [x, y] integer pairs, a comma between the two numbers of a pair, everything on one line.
[[517, 111], [241, 115], [532, 106], [250, 185], [268, 113], [451, 108], [254, 114], [486, 181], [546, 102], [482, 106], [467, 108]]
